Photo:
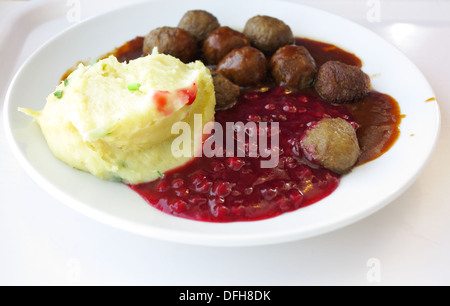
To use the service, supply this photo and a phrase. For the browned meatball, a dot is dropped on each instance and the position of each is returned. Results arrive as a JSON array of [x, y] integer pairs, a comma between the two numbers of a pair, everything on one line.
[[333, 144], [227, 93], [199, 23], [294, 67], [173, 41], [341, 83], [268, 34], [220, 42], [246, 66]]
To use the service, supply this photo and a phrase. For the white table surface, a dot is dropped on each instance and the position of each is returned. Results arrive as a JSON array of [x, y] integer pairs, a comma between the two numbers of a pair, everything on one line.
[[43, 242]]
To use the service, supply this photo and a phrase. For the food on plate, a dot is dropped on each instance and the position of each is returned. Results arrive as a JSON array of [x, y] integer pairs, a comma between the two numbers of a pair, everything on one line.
[[220, 42], [228, 189], [341, 83], [379, 117], [304, 105], [227, 93], [294, 67], [199, 23], [172, 41], [114, 119], [319, 140], [267, 33], [332, 142], [246, 66]]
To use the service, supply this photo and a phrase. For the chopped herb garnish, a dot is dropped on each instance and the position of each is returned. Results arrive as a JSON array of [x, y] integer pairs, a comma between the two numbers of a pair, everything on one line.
[[159, 173], [66, 82], [117, 179], [94, 62], [134, 86], [59, 94]]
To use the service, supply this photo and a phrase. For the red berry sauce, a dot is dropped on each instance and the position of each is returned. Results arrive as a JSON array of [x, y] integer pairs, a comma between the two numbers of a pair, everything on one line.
[[227, 189]]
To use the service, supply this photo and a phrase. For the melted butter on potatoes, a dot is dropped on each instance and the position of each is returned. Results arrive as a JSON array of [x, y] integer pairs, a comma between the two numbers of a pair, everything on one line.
[[114, 120]]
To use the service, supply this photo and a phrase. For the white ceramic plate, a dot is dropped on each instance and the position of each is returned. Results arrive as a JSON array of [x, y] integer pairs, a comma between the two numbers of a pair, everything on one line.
[[367, 189]]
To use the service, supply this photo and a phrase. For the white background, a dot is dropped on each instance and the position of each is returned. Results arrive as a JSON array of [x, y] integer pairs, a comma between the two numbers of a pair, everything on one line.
[[43, 242]]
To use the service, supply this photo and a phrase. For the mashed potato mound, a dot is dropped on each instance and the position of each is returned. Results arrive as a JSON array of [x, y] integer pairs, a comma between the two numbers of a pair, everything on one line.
[[114, 120]]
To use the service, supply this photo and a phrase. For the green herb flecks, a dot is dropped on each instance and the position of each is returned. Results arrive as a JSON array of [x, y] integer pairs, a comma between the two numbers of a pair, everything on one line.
[[123, 164], [159, 174], [59, 94], [134, 86], [116, 179], [66, 82]]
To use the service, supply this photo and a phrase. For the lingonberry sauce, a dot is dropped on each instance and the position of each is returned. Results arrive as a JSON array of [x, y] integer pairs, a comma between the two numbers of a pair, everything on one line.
[[225, 189]]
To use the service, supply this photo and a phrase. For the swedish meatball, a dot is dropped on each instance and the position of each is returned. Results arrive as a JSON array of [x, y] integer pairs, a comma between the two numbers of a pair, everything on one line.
[[227, 93], [294, 67], [173, 41], [268, 34], [220, 42], [246, 66], [341, 83], [199, 23], [332, 143]]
